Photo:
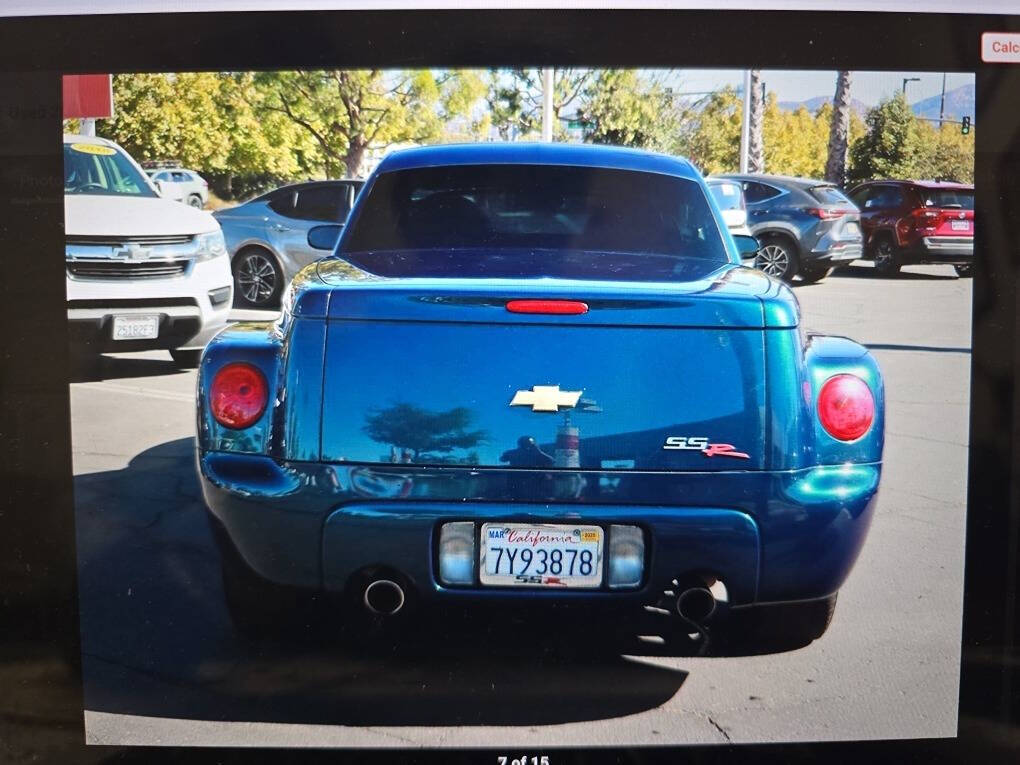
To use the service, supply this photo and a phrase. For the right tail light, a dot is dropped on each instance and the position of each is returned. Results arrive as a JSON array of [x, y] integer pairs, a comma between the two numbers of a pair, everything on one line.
[[846, 407]]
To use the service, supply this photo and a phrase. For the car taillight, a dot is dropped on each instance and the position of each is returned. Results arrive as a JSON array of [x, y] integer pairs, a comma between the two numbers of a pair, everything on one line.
[[238, 395], [826, 214], [846, 407]]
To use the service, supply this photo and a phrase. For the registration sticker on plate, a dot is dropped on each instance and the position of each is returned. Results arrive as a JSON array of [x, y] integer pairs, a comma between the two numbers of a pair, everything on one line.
[[135, 327], [541, 555], [960, 225]]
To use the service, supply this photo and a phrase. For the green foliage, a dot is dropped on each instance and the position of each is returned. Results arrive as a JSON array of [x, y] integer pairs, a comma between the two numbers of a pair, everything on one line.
[[624, 108], [515, 100], [899, 145], [712, 142]]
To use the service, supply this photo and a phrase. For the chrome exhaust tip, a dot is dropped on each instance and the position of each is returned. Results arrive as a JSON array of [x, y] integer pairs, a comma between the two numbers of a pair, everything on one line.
[[384, 597], [696, 604]]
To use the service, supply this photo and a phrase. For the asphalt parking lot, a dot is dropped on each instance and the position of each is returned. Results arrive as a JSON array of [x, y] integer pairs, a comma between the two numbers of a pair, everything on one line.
[[163, 665]]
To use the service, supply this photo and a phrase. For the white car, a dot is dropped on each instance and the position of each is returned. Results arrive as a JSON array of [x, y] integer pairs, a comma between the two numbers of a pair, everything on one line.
[[143, 272], [729, 195], [181, 185]]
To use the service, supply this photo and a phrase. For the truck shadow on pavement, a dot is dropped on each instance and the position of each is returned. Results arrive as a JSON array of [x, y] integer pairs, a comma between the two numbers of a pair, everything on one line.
[[95, 367], [157, 640], [868, 272]]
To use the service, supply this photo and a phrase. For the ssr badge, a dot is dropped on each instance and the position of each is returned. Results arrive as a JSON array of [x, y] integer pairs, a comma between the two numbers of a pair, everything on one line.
[[701, 444]]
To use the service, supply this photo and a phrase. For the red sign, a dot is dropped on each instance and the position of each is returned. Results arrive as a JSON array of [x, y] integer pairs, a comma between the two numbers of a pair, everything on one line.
[[88, 95]]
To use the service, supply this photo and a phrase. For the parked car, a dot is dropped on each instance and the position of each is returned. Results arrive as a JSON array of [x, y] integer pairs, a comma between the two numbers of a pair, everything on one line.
[[143, 272], [538, 376], [268, 236], [806, 227], [729, 196], [181, 185], [908, 222]]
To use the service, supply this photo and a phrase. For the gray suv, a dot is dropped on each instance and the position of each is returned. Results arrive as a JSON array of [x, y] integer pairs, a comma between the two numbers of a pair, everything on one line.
[[806, 227], [267, 237]]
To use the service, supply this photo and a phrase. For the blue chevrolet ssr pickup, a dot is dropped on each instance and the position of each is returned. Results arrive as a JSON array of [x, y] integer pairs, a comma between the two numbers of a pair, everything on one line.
[[533, 377]]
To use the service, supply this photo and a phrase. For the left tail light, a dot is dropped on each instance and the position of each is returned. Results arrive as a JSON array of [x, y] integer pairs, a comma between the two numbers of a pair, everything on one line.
[[846, 407], [825, 213], [238, 395]]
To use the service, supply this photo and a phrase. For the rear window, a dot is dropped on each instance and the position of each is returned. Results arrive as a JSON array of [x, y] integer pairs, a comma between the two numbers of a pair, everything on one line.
[[829, 195], [953, 198], [580, 218]]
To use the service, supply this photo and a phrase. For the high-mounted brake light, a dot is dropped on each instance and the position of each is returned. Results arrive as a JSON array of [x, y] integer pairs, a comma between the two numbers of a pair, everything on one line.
[[846, 407], [558, 307], [238, 395]]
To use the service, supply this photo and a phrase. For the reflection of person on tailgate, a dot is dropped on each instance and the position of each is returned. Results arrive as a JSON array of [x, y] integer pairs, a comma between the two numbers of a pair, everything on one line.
[[527, 454]]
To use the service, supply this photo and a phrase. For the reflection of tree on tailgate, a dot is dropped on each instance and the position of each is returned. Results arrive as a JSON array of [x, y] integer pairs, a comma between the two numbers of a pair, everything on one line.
[[429, 436]]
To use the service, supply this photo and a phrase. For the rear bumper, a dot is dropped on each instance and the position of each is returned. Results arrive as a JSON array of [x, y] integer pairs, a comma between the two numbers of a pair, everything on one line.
[[941, 249], [839, 254], [771, 537]]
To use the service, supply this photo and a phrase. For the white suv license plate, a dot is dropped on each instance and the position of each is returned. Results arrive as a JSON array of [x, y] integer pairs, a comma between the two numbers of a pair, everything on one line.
[[540, 555], [135, 327]]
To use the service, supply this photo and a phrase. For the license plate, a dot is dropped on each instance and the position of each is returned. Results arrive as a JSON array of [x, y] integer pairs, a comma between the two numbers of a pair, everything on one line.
[[852, 228], [541, 555], [135, 327], [960, 225]]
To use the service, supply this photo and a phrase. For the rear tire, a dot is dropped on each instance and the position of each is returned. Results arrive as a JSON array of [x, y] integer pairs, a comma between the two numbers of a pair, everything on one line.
[[777, 257], [257, 607], [813, 275], [186, 359], [786, 625], [964, 271], [886, 257]]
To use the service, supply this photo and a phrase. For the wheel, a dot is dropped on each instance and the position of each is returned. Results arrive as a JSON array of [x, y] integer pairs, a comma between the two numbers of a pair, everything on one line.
[[195, 201], [812, 275], [787, 625], [964, 271], [777, 258], [257, 278], [887, 260], [186, 359]]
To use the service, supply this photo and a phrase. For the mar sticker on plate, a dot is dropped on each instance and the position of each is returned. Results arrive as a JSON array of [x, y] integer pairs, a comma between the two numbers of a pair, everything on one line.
[[541, 555]]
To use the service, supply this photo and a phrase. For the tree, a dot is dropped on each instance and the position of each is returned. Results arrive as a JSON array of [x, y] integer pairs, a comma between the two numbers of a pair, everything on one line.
[[515, 99], [427, 434], [891, 147], [348, 112], [839, 131], [624, 108], [170, 116], [756, 143], [946, 154], [712, 139]]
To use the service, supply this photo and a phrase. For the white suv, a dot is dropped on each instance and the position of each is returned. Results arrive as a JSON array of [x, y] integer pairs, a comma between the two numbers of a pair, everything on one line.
[[143, 272], [182, 185]]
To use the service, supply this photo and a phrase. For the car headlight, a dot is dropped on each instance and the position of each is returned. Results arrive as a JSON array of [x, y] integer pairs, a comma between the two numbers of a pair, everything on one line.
[[211, 245]]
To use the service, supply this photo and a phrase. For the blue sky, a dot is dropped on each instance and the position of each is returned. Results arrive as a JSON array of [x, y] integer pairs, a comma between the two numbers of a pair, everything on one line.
[[800, 85]]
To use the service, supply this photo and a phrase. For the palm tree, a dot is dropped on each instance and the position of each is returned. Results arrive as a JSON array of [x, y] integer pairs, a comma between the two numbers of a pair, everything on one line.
[[756, 143], [839, 131]]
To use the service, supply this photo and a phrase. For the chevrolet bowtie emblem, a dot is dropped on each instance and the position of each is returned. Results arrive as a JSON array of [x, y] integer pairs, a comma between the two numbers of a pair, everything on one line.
[[546, 398]]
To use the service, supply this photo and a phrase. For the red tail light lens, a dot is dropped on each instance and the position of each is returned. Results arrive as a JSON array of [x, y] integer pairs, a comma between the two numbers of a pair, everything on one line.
[[846, 407], [825, 214], [238, 395], [559, 307]]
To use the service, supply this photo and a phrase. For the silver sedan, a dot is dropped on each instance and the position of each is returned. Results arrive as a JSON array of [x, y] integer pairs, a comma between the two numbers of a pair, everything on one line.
[[267, 237]]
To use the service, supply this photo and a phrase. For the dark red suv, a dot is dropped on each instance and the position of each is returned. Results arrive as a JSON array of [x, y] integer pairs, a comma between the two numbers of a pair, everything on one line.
[[906, 222]]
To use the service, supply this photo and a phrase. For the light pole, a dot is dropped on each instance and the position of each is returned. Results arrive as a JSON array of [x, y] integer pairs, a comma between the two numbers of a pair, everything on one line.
[[942, 102], [906, 80]]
